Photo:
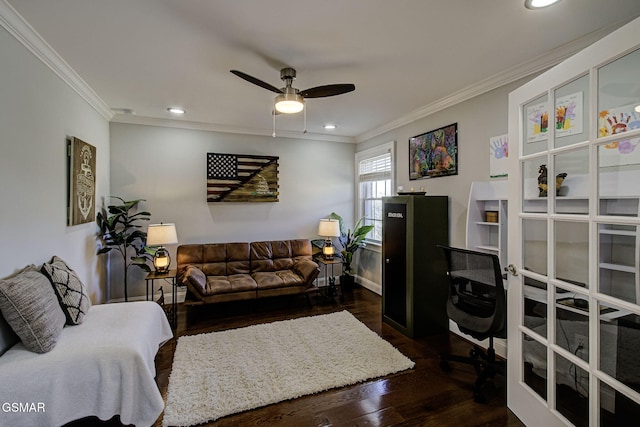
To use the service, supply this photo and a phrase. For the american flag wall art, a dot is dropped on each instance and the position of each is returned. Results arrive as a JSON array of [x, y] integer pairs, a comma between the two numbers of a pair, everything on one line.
[[241, 178]]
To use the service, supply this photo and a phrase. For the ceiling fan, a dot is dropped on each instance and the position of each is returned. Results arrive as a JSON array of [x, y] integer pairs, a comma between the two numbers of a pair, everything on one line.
[[291, 100]]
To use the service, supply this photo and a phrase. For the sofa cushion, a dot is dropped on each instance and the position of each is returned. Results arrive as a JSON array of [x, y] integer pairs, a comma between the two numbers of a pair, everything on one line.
[[227, 284], [267, 280], [261, 257], [242, 282], [277, 279], [238, 259], [214, 259], [69, 289], [289, 278], [187, 256], [217, 285], [30, 306], [301, 249]]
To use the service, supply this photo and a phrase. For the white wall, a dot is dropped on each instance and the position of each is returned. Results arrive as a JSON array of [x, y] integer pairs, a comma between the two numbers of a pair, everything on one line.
[[167, 167], [37, 113], [478, 119]]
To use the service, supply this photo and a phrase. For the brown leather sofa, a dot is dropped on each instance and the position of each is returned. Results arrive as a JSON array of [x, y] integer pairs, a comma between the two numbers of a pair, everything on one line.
[[219, 272]]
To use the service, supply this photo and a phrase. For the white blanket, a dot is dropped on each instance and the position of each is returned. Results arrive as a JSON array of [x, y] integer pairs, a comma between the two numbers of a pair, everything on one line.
[[102, 367]]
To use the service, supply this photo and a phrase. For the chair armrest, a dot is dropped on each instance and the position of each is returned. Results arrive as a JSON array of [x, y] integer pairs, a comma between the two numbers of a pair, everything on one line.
[[307, 269], [195, 280]]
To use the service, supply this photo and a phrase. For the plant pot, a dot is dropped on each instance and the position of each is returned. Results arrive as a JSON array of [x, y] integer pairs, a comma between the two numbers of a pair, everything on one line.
[[347, 281]]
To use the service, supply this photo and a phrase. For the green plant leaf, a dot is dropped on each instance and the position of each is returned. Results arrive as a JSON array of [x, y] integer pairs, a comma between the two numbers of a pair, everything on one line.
[[120, 231]]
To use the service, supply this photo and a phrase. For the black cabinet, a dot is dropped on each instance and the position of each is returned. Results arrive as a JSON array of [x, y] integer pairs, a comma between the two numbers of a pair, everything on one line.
[[414, 270]]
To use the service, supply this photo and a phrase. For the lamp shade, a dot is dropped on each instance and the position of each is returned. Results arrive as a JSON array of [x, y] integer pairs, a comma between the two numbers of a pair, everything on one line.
[[161, 234], [329, 228]]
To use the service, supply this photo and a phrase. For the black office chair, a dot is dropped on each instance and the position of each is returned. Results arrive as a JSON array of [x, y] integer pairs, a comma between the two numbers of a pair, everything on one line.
[[477, 303]]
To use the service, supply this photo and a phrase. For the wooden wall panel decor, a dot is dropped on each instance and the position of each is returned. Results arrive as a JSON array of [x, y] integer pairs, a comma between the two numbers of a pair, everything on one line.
[[82, 182], [242, 178]]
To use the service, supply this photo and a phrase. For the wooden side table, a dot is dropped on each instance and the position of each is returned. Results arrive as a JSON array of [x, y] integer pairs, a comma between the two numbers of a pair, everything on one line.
[[170, 277]]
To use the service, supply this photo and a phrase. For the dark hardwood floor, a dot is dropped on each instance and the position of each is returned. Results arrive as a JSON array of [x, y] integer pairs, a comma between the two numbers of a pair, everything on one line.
[[423, 396]]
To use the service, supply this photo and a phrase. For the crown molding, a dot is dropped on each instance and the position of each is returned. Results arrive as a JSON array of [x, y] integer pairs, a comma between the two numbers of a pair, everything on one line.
[[20, 29], [527, 68], [185, 124]]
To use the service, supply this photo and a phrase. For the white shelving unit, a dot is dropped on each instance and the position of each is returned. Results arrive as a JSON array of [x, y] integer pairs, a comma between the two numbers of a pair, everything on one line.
[[619, 247], [483, 235]]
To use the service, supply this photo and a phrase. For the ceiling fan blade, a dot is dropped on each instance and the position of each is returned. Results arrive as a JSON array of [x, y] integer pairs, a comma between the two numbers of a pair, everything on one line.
[[327, 90], [255, 81]]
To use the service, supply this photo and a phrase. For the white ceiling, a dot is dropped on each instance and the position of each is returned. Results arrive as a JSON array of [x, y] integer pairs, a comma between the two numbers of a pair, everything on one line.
[[406, 57]]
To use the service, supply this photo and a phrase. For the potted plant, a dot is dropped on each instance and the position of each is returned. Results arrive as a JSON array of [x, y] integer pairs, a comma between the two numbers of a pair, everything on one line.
[[351, 241], [120, 231]]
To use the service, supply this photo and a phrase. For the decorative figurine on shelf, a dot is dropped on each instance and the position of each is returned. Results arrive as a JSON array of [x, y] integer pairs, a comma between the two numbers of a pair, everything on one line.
[[542, 181], [559, 180]]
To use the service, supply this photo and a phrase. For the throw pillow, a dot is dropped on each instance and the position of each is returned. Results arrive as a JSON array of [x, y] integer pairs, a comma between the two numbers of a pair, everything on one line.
[[31, 308], [70, 290]]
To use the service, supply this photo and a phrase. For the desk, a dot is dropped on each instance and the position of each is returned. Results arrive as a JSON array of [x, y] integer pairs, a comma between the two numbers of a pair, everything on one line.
[[170, 277], [540, 295], [331, 289]]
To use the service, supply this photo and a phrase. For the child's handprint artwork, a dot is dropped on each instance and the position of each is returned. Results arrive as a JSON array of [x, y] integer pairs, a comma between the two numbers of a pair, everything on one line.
[[498, 156]]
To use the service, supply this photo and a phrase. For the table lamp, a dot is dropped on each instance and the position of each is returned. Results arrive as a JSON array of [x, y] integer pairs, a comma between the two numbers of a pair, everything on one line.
[[159, 235], [328, 228]]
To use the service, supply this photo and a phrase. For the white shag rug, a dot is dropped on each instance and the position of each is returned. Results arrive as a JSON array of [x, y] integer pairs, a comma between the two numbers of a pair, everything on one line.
[[222, 373]]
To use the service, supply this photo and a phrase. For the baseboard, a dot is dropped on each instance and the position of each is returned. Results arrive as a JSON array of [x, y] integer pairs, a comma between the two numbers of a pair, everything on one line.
[[499, 344], [369, 284]]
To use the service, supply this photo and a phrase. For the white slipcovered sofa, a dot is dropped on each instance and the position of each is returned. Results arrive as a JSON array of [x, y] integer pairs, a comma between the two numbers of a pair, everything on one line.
[[102, 366]]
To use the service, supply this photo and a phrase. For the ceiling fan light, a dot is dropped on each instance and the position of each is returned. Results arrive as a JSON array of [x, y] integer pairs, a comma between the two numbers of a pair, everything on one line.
[[289, 103], [538, 4]]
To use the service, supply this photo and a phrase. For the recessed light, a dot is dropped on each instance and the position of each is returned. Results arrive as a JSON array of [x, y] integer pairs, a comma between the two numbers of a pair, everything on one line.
[[539, 4], [637, 108], [123, 111], [330, 126], [176, 110]]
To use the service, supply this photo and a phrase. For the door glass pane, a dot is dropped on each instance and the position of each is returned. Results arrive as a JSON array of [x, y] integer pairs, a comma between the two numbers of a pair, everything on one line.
[[618, 261], [534, 359], [570, 122], [571, 182], [534, 185], [572, 252], [572, 391], [618, 177], [620, 345], [616, 409], [572, 325], [618, 95], [535, 306], [534, 241], [536, 125]]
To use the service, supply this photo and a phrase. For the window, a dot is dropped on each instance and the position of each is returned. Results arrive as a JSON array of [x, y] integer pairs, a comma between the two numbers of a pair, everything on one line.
[[374, 180]]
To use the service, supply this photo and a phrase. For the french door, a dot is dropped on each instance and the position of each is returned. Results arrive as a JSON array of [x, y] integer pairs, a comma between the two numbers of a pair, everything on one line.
[[574, 192]]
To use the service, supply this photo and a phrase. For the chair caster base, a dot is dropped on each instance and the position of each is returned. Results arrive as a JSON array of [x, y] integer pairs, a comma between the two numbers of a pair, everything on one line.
[[478, 397], [445, 366]]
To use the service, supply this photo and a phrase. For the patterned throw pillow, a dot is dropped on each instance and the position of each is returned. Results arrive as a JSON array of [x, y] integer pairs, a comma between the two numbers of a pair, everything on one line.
[[71, 292], [31, 308]]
